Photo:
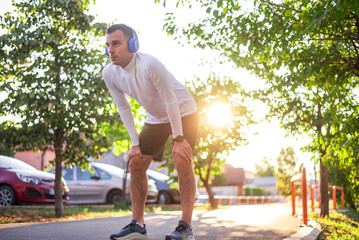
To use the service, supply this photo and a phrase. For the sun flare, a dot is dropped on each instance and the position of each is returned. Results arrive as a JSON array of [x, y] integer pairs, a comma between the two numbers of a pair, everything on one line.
[[219, 114]]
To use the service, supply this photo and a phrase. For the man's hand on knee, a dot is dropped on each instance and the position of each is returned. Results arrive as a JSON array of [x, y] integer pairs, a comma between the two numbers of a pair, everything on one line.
[[135, 151], [183, 149]]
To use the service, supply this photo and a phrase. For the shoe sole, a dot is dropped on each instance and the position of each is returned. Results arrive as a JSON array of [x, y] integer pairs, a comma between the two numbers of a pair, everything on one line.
[[189, 238], [133, 236]]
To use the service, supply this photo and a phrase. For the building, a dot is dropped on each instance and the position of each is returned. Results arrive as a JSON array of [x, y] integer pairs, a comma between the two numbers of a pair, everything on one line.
[[37, 159], [234, 176]]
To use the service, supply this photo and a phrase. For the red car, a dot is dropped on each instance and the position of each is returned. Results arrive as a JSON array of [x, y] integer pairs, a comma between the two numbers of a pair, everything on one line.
[[22, 183]]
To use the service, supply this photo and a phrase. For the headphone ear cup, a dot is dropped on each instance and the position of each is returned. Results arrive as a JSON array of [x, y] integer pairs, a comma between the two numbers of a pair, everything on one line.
[[133, 44], [106, 49]]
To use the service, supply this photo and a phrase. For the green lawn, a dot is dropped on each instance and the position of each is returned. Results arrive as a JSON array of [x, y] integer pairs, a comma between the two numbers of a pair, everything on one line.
[[338, 225], [24, 214]]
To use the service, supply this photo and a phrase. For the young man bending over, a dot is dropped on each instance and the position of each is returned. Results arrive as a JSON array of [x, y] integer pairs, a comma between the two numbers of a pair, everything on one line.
[[170, 109]]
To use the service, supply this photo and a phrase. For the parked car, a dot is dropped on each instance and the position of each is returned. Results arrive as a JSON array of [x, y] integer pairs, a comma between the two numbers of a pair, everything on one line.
[[167, 191], [22, 183], [102, 185]]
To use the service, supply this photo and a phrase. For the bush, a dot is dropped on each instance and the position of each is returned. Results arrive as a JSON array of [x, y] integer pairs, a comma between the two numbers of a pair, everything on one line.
[[254, 192]]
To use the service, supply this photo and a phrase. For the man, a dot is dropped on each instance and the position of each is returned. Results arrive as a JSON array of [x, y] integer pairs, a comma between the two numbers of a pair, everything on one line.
[[170, 109]]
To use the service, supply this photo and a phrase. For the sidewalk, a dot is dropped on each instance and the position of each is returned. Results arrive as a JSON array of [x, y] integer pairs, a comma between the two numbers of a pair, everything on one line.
[[272, 221]]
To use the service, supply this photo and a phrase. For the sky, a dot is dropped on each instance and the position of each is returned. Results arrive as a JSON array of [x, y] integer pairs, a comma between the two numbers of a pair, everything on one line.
[[185, 62]]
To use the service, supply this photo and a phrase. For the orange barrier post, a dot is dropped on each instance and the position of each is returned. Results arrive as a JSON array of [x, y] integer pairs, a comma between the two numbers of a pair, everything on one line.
[[255, 200], [293, 198], [229, 201], [312, 197], [247, 201], [334, 192], [219, 201], [262, 201], [239, 200], [304, 197]]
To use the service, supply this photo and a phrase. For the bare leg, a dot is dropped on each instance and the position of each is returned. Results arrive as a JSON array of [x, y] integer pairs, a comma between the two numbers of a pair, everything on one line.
[[139, 186], [187, 186]]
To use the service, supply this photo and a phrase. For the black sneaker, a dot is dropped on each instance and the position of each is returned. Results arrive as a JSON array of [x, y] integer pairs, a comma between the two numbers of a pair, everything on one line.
[[182, 232], [131, 232]]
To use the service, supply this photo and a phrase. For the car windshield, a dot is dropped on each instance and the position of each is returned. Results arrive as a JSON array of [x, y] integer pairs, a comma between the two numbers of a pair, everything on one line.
[[12, 163], [158, 176], [110, 169]]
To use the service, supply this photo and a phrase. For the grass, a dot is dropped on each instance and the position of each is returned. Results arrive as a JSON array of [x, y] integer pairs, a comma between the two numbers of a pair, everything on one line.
[[338, 225], [25, 214]]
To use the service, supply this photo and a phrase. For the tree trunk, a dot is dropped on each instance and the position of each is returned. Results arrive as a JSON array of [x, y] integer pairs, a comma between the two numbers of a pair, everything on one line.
[[59, 206], [42, 159], [212, 201], [324, 204]]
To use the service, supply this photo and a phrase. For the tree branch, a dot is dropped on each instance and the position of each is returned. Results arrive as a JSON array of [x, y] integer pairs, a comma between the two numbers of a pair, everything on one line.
[[331, 39], [282, 6]]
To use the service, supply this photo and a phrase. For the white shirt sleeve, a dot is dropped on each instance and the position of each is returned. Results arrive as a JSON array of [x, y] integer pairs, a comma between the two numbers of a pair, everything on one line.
[[124, 109], [161, 79]]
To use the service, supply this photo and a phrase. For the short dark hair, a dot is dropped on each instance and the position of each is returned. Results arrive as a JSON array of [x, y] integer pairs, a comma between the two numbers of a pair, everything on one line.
[[123, 27]]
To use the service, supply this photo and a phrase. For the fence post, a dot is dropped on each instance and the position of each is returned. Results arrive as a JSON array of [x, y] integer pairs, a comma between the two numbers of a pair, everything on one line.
[[312, 197], [293, 198], [342, 197], [304, 197], [334, 192]]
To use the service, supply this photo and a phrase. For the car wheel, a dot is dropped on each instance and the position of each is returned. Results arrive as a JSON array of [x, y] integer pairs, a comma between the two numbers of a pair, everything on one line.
[[114, 197], [164, 198], [7, 196]]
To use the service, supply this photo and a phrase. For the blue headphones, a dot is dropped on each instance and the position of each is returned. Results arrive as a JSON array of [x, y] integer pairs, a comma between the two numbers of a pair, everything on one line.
[[133, 43]]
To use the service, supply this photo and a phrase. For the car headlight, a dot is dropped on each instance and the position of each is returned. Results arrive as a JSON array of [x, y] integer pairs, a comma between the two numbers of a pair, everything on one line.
[[152, 186], [28, 179]]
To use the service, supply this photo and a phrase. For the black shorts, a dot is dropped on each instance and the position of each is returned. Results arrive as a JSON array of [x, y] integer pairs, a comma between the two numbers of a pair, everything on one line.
[[153, 137]]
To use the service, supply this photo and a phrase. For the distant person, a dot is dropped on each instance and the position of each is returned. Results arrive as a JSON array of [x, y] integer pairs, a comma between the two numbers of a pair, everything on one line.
[[170, 109]]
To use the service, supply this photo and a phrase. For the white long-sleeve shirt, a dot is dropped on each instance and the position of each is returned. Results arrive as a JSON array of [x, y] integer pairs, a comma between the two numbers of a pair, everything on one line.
[[147, 80]]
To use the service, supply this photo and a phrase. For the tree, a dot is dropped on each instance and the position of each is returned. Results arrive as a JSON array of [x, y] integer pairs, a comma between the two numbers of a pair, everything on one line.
[[264, 169], [219, 180], [286, 170], [214, 141], [51, 72], [306, 51], [6, 151], [344, 148]]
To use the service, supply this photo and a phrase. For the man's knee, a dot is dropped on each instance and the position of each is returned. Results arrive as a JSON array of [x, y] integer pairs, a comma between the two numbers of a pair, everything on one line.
[[181, 162], [136, 165], [139, 164]]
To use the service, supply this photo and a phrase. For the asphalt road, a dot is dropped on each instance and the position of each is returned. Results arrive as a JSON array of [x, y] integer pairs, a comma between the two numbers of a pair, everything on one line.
[[238, 222]]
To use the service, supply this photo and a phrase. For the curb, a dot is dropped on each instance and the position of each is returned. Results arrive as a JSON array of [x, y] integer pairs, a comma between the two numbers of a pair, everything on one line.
[[310, 232]]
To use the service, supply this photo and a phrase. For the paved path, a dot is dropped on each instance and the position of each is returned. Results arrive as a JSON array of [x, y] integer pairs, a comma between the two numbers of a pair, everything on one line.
[[238, 222]]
